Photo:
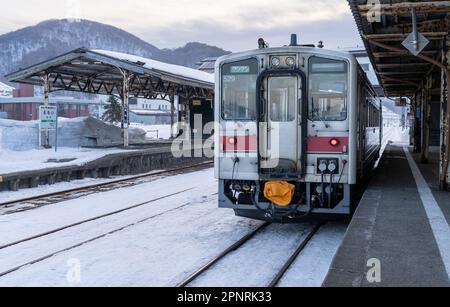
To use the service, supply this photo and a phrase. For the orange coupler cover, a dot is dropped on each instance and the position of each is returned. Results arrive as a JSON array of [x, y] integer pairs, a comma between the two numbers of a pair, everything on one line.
[[279, 192]]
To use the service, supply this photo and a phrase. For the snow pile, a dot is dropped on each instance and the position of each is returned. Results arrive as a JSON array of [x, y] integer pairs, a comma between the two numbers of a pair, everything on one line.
[[78, 132], [6, 90], [161, 132], [34, 159]]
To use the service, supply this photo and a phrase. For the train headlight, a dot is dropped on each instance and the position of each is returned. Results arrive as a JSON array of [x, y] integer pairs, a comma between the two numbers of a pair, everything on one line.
[[290, 61], [334, 142], [276, 61]]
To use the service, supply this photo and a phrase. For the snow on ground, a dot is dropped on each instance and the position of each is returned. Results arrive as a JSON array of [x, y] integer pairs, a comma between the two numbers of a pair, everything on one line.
[[7, 196], [16, 161], [258, 261], [183, 233], [163, 242], [311, 267], [155, 131]]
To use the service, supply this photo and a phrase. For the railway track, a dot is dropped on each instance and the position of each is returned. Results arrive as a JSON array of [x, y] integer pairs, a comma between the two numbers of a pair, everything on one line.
[[34, 202], [59, 251], [277, 278]]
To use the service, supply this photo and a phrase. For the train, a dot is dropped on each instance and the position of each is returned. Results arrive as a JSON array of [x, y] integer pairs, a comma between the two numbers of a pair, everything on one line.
[[300, 127]]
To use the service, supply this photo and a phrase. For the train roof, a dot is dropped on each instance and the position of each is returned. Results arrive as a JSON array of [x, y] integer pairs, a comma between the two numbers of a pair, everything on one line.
[[297, 49]]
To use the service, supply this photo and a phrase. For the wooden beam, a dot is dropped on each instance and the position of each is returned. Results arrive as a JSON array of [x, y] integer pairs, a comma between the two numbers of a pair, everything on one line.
[[401, 36], [409, 65], [391, 54], [404, 8], [387, 73]]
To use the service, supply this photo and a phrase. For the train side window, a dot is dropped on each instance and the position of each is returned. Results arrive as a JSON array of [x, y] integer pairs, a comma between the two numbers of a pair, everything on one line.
[[327, 89]]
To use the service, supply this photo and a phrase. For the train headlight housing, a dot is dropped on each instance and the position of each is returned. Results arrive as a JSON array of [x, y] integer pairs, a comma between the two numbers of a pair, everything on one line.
[[290, 61], [276, 61]]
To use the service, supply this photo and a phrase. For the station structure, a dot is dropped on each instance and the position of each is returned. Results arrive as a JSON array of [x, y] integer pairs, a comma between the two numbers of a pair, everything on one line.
[[408, 44], [112, 73]]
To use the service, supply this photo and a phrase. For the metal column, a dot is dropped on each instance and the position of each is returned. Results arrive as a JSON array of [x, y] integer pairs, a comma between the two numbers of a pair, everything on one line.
[[126, 107], [172, 116], [45, 138]]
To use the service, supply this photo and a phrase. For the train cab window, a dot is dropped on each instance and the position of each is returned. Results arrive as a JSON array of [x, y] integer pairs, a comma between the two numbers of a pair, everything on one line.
[[282, 98], [239, 90], [327, 89]]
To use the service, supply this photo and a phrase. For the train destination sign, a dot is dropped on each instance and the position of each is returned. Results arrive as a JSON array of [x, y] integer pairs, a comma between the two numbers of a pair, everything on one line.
[[240, 69]]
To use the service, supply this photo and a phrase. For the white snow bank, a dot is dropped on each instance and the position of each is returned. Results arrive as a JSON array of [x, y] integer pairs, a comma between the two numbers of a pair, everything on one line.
[[155, 131], [16, 161], [77, 132], [162, 67]]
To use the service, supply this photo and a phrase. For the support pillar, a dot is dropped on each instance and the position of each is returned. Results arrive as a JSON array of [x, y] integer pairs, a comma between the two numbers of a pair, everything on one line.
[[45, 135], [445, 135], [425, 122], [172, 117], [126, 108]]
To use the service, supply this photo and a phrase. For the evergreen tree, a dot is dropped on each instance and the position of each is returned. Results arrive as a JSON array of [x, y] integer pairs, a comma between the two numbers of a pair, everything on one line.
[[113, 110]]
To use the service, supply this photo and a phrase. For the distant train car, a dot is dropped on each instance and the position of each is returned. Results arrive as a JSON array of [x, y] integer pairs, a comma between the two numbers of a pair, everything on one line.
[[299, 128]]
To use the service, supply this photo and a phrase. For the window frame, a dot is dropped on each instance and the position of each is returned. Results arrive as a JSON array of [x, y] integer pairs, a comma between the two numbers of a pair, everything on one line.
[[347, 87], [222, 105], [295, 114]]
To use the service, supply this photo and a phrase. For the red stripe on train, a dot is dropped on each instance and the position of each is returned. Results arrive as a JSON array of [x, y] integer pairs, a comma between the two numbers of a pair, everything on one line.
[[239, 143], [316, 144]]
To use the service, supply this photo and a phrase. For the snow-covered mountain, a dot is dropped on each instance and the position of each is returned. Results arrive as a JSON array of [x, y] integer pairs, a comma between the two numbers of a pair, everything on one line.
[[50, 38]]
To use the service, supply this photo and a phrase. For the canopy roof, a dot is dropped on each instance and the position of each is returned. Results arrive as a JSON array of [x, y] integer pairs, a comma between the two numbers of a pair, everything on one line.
[[101, 72], [399, 71]]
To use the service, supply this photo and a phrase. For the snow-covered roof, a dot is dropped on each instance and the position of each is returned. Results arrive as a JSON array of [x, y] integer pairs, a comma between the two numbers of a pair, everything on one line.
[[100, 72], [161, 66]]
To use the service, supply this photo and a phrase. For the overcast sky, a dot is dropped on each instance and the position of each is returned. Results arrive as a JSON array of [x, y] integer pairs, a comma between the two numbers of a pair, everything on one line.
[[231, 24]]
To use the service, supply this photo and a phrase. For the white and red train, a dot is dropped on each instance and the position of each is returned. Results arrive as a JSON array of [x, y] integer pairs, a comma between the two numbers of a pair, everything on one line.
[[299, 127]]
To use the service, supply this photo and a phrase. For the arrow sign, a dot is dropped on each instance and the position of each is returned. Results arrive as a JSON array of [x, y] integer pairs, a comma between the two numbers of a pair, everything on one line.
[[415, 45]]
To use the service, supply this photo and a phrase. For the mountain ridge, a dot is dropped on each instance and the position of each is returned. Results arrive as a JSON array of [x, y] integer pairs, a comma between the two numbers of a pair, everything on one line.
[[50, 38]]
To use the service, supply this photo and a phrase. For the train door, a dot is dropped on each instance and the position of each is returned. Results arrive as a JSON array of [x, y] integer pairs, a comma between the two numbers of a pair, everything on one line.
[[282, 136]]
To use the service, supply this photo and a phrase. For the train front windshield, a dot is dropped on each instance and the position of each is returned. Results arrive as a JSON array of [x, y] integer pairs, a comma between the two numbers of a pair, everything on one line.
[[327, 89], [239, 90]]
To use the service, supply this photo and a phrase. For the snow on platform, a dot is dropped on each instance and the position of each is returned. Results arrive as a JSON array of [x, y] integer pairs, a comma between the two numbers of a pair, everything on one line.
[[17, 161]]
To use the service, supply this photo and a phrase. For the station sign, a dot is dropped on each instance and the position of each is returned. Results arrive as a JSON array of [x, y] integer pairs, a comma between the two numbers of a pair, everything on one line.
[[126, 119], [48, 117]]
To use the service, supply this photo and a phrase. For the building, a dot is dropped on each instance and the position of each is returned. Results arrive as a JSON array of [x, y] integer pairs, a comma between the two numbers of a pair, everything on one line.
[[207, 65], [24, 106], [151, 112]]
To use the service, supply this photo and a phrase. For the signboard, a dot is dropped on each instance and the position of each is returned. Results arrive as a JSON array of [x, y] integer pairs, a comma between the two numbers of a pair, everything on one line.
[[126, 119], [415, 43], [196, 103], [48, 117]]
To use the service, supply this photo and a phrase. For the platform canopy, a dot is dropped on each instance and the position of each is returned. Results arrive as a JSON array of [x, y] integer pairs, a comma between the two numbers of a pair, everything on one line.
[[102, 72], [385, 24]]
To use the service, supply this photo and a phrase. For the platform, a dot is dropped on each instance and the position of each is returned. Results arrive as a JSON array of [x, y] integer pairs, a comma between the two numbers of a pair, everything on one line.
[[133, 161], [402, 221]]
